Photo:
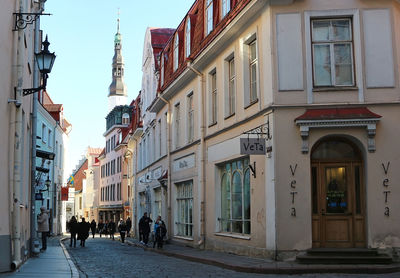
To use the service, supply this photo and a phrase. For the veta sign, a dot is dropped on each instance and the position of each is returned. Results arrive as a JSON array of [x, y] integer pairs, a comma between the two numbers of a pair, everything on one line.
[[252, 146]]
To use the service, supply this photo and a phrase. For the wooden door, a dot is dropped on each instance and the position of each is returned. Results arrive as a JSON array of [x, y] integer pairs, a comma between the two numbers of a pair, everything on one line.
[[338, 215]]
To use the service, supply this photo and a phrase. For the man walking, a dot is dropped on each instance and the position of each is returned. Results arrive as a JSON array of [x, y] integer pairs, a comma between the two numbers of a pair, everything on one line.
[[43, 227], [128, 226], [144, 227]]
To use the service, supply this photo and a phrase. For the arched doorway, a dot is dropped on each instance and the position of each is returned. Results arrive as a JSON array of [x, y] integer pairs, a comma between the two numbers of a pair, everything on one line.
[[338, 194]]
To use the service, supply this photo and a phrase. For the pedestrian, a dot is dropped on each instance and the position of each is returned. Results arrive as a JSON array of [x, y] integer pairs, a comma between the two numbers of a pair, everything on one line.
[[122, 229], [106, 227], [43, 227], [144, 227], [160, 231], [83, 231], [100, 226], [93, 227], [111, 228], [128, 223], [73, 229]]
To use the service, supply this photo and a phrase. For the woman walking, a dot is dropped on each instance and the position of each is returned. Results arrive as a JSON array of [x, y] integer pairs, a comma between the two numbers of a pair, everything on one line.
[[73, 229]]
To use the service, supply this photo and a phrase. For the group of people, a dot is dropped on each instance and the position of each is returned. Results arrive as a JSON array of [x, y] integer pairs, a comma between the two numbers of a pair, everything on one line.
[[160, 230], [82, 229]]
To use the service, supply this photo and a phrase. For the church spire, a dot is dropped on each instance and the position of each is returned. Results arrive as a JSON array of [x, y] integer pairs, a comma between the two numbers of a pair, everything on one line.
[[117, 90]]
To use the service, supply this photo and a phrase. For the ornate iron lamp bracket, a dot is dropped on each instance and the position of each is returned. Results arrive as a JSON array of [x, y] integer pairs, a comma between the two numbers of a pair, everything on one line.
[[261, 131], [21, 20]]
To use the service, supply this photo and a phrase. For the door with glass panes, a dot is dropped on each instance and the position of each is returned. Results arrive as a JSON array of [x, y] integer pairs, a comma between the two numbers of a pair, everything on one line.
[[338, 214]]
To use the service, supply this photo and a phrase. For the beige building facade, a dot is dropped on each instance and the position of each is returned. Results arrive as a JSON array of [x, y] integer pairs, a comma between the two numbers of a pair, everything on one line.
[[318, 83]]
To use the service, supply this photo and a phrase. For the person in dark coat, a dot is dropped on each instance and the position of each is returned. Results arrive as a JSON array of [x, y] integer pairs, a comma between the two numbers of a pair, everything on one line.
[[93, 227], [144, 227], [122, 230], [111, 228], [73, 229], [83, 231], [160, 230], [128, 223], [100, 226]]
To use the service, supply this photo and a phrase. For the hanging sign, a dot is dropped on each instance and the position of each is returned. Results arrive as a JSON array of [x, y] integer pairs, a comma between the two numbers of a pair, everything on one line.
[[252, 146], [64, 193]]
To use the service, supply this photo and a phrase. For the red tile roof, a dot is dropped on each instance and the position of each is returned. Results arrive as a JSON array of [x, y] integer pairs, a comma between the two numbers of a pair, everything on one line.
[[338, 113], [159, 38], [53, 107], [95, 151]]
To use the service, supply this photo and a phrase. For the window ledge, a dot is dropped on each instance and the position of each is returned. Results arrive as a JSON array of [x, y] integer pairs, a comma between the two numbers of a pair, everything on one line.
[[212, 124], [251, 103], [184, 238], [229, 116], [238, 236], [335, 89]]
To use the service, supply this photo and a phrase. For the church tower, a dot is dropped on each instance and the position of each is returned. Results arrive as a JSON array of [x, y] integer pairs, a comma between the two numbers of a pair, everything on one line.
[[117, 91]]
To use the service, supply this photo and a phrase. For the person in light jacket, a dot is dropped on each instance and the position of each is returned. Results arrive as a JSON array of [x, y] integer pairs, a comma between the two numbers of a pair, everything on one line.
[[43, 227]]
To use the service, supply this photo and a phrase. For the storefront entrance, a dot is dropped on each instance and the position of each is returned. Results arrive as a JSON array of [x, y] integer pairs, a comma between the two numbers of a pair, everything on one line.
[[338, 213]]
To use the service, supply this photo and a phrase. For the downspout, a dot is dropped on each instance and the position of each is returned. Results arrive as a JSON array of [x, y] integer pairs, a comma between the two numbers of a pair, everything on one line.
[[54, 184], [169, 186], [202, 154], [17, 167], [34, 243]]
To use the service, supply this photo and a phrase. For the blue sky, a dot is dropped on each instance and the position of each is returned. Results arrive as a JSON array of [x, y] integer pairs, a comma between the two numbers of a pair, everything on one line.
[[81, 33]]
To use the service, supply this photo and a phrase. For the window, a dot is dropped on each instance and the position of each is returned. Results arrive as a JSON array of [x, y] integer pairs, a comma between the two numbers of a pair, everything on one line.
[[176, 51], [60, 156], [57, 154], [153, 135], [230, 109], [187, 37], [226, 7], [332, 47], [177, 124], [159, 138], [190, 123], [162, 69], [49, 136], [157, 202], [125, 119], [213, 98], [44, 133], [184, 200], [253, 70], [235, 197], [209, 17]]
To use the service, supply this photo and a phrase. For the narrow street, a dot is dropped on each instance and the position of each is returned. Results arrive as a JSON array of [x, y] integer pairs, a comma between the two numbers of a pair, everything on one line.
[[102, 257]]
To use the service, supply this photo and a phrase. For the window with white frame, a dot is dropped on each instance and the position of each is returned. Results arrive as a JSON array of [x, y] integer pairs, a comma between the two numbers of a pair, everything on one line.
[[162, 69], [184, 201], [213, 97], [44, 133], [235, 197], [157, 202], [177, 124], [176, 51], [231, 93], [332, 47], [153, 135], [125, 119], [142, 203], [190, 123], [226, 7], [187, 37], [159, 138], [50, 143], [209, 17], [253, 70]]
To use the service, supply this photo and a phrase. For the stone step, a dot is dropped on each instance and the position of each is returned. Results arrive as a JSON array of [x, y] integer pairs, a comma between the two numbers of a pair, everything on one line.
[[342, 252], [333, 259]]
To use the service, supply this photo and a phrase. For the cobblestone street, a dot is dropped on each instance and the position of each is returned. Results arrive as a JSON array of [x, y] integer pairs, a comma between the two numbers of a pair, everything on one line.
[[103, 257]]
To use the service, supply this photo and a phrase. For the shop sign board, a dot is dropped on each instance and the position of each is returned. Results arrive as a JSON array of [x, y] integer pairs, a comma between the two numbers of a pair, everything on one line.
[[252, 146]]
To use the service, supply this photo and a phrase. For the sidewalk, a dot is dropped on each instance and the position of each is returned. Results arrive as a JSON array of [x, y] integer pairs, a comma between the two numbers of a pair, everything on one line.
[[53, 263], [257, 265]]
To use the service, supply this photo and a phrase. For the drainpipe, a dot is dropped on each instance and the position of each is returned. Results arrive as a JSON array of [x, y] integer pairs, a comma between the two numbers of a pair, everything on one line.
[[169, 188], [54, 184], [17, 167], [34, 243], [202, 154]]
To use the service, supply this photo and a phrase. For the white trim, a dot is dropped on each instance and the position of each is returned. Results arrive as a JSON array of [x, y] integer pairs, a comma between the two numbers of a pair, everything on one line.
[[233, 236], [355, 14], [369, 124]]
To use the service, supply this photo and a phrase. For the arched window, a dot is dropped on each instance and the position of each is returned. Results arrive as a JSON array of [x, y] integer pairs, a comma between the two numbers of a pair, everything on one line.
[[187, 37], [235, 197], [162, 69], [209, 17], [176, 51]]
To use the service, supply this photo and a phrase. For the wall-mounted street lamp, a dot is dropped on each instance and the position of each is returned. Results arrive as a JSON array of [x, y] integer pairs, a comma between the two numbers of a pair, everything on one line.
[[44, 60]]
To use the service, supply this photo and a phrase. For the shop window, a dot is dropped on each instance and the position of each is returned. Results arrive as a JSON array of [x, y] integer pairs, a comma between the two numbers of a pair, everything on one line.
[[184, 201], [235, 197]]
